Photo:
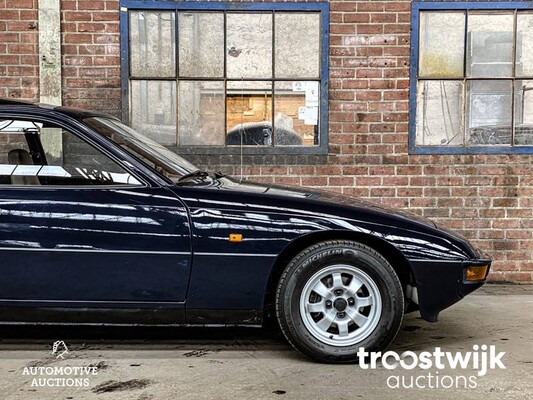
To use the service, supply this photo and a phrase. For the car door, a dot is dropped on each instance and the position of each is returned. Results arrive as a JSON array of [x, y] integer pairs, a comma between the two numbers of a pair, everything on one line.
[[79, 229]]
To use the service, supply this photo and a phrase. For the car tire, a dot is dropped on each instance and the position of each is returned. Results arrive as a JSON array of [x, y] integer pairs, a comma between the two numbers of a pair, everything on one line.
[[360, 303]]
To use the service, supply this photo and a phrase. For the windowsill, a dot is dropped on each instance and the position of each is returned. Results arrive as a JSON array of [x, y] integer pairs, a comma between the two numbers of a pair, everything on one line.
[[250, 150], [427, 150]]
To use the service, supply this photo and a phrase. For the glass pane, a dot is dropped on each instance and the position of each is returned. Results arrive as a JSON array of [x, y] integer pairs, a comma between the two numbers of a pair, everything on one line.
[[523, 113], [152, 44], [249, 45], [296, 113], [439, 113], [16, 162], [153, 110], [249, 113], [442, 44], [201, 113], [201, 50], [81, 163], [297, 45], [488, 112], [524, 44], [490, 45]]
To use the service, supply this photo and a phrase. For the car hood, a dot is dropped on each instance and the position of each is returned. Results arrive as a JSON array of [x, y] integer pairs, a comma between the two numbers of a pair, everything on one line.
[[318, 195]]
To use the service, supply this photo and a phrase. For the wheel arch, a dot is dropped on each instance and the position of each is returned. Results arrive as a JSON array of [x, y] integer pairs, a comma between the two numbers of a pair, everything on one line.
[[387, 250]]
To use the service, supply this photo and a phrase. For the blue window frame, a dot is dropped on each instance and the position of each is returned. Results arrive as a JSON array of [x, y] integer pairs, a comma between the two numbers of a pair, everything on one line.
[[471, 78], [152, 73]]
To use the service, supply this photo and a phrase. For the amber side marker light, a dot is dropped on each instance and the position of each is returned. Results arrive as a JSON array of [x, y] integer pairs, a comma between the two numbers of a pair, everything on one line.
[[476, 273], [235, 237]]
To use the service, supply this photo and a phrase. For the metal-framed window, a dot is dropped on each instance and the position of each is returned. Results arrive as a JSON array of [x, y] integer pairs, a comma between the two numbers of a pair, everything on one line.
[[227, 77], [471, 78]]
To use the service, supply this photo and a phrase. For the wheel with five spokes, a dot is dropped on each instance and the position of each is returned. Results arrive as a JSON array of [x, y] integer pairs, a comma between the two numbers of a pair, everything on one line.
[[337, 296]]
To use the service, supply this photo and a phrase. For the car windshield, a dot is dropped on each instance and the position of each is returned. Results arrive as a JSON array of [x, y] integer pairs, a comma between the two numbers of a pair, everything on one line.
[[162, 159]]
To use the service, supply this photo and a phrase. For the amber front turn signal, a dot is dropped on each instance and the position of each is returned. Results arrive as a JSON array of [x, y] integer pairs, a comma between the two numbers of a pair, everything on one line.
[[235, 237], [476, 273]]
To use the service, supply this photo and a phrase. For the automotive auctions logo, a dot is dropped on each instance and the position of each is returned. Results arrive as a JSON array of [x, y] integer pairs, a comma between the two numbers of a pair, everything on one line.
[[59, 348], [480, 359], [63, 376]]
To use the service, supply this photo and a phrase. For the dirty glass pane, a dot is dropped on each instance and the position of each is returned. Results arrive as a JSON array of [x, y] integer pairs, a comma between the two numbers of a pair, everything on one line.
[[523, 113], [442, 36], [489, 45], [488, 112], [153, 109], [524, 44], [296, 113], [201, 113], [297, 52], [439, 113], [152, 44], [201, 44], [249, 45], [249, 113]]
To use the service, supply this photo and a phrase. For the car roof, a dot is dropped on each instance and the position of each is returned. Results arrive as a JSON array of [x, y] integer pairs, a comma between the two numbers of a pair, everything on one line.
[[76, 113]]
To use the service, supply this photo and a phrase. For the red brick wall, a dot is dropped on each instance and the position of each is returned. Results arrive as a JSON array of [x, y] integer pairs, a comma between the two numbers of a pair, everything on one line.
[[486, 197], [19, 70], [91, 54]]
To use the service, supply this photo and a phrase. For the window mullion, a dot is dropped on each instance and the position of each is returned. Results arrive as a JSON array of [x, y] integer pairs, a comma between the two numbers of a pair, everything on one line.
[[465, 84], [177, 66], [225, 72], [273, 85], [514, 79]]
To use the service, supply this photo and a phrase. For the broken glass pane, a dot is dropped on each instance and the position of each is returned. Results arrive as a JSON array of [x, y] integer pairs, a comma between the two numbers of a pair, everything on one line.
[[523, 113], [297, 45], [442, 36], [153, 109], [152, 44], [201, 49], [249, 45], [489, 45], [296, 113], [249, 113], [201, 113], [488, 112], [439, 113], [524, 45]]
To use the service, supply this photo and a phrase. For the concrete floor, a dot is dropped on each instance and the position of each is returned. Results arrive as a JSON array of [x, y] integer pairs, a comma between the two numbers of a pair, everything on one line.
[[254, 364]]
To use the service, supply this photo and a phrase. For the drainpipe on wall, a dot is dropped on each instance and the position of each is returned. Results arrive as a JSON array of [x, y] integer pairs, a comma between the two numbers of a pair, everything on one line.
[[49, 52], [50, 74]]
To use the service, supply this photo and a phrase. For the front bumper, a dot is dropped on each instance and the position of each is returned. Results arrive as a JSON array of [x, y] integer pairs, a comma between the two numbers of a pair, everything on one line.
[[441, 283]]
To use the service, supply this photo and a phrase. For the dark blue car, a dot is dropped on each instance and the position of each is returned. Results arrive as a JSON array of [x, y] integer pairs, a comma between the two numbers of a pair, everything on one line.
[[99, 224]]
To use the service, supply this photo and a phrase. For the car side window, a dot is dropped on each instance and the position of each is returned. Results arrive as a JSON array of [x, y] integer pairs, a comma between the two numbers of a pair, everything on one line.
[[38, 153]]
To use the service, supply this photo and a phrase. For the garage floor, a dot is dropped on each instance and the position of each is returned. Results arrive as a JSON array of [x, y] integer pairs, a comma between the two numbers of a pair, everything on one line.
[[254, 364]]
